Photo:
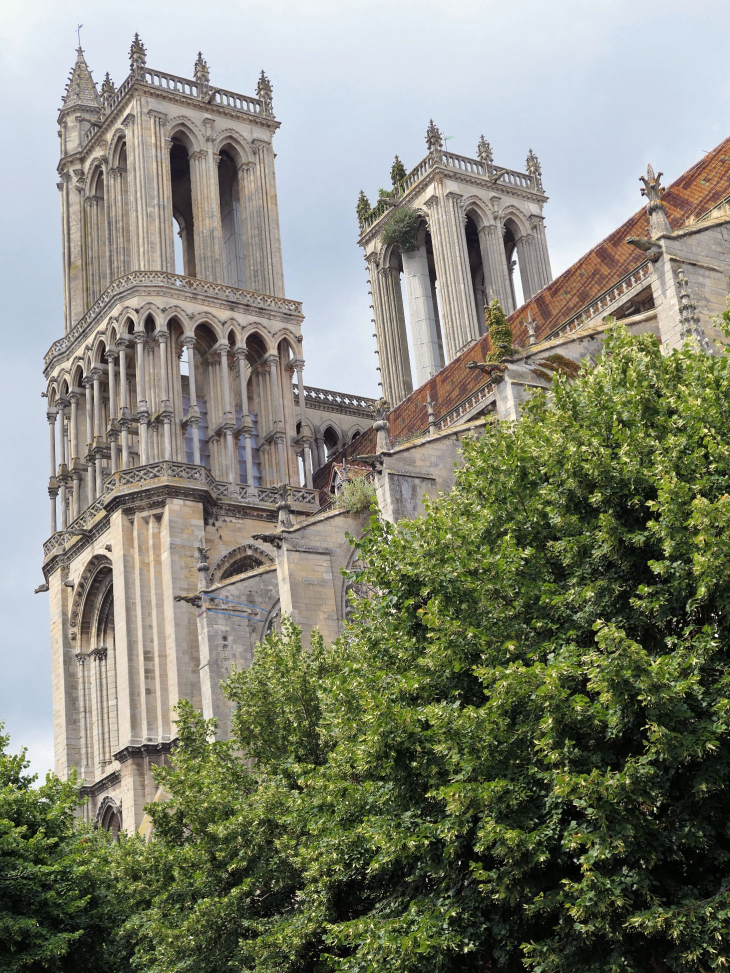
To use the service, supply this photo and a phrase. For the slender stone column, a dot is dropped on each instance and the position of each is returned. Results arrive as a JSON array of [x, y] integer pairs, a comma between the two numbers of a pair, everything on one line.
[[52, 481], [421, 313], [135, 197], [458, 311], [143, 416], [124, 410], [193, 413], [269, 241], [166, 413], [494, 262], [75, 464], [542, 257], [160, 200], [304, 427], [246, 423], [229, 423], [395, 324], [250, 219], [279, 438], [206, 215], [88, 383], [382, 336], [63, 468], [98, 437], [113, 433]]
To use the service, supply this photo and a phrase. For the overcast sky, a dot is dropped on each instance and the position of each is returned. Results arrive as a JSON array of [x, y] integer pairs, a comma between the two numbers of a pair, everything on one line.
[[597, 88]]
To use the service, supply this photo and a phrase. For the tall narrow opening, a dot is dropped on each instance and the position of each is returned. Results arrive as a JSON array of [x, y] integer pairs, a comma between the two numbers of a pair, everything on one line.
[[123, 262], [231, 226], [511, 235], [182, 206], [476, 270], [255, 391], [97, 237]]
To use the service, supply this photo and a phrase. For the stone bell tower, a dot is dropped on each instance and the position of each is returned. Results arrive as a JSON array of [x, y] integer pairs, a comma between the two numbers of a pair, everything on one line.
[[474, 224], [174, 429]]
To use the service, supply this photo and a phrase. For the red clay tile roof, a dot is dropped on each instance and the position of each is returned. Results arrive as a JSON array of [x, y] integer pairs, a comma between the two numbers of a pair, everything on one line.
[[697, 191]]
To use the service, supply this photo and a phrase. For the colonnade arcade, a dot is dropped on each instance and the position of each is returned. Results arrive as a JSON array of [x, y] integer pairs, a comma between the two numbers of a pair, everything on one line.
[[215, 202], [192, 393], [502, 256]]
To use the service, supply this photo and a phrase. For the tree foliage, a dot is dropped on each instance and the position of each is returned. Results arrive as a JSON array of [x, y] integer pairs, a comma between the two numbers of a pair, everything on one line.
[[363, 208], [57, 911], [499, 331], [401, 229], [397, 172], [516, 757]]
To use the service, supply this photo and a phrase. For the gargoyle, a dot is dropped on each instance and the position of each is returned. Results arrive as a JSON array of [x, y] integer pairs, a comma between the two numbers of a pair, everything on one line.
[[649, 247], [272, 538], [493, 369]]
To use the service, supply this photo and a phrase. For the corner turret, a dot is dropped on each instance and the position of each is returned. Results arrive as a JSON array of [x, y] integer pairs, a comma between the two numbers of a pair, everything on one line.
[[81, 106]]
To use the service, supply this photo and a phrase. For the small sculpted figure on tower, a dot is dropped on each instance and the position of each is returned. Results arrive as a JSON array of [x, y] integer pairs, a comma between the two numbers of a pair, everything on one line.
[[137, 56], [264, 92], [534, 170], [484, 154], [434, 141], [107, 91], [202, 75]]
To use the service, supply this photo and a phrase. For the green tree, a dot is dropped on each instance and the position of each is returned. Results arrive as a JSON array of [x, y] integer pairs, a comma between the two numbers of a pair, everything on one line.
[[397, 173], [499, 331], [532, 764], [56, 910], [216, 888], [516, 757], [363, 208]]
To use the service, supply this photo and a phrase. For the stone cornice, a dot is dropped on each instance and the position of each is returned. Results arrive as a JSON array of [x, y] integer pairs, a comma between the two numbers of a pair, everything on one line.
[[153, 283], [140, 85], [442, 172], [151, 486]]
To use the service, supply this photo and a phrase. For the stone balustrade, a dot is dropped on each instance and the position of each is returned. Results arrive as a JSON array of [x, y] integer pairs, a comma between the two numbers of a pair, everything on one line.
[[169, 473]]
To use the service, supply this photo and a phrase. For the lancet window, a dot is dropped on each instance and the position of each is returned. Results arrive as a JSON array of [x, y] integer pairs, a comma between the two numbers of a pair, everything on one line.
[[182, 203], [231, 220], [97, 681]]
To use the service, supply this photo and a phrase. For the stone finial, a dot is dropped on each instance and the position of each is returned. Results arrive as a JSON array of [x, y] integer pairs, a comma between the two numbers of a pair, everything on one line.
[[484, 154], [530, 325], [534, 169], [263, 93], [283, 507], [81, 89], [434, 141], [363, 208], [652, 189], [382, 426], [107, 90], [203, 566], [201, 74], [397, 173], [137, 56], [431, 414]]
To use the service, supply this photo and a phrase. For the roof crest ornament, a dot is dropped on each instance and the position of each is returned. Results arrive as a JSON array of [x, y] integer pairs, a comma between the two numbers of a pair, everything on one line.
[[263, 92], [434, 142], [485, 156], [137, 56], [534, 170], [201, 74], [107, 91], [653, 190]]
